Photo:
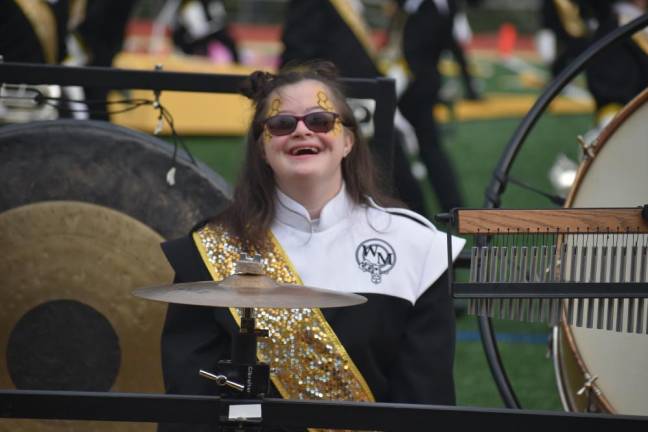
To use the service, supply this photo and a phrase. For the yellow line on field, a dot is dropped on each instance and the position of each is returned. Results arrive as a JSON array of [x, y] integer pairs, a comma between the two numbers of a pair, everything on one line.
[[503, 105], [228, 114]]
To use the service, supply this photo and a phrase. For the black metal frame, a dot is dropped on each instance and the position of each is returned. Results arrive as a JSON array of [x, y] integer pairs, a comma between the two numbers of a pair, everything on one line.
[[550, 290], [159, 408], [499, 179], [381, 90]]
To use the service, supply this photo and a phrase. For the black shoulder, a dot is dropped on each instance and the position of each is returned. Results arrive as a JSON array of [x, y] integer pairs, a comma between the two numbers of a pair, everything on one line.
[[185, 259]]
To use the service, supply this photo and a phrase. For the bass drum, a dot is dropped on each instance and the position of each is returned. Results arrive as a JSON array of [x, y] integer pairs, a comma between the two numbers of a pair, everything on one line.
[[614, 176], [84, 206]]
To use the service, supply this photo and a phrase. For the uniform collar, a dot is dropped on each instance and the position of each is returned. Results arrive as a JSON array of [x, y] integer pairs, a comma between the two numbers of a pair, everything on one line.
[[292, 213]]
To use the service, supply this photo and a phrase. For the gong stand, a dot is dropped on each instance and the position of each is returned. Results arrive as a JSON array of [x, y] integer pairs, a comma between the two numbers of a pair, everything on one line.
[[243, 377]]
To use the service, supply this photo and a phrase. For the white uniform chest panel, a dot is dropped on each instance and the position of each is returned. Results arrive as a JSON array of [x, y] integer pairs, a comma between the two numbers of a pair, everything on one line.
[[356, 258]]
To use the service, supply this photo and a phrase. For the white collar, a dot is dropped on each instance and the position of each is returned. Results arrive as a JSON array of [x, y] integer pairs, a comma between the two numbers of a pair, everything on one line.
[[292, 213]]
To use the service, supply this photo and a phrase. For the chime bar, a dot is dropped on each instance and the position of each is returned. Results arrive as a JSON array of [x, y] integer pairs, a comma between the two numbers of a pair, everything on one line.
[[587, 267], [579, 220], [563, 290]]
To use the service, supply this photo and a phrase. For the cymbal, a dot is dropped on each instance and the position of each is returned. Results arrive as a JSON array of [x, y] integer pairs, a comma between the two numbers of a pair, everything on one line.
[[248, 291]]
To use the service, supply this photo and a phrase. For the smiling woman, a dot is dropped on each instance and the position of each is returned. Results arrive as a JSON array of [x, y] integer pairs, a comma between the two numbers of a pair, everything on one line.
[[282, 100], [308, 202], [310, 155]]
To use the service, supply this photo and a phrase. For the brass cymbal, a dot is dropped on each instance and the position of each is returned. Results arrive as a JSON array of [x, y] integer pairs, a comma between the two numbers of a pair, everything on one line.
[[248, 291]]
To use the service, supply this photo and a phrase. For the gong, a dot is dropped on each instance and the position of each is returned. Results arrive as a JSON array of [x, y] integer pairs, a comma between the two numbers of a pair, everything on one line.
[[83, 208]]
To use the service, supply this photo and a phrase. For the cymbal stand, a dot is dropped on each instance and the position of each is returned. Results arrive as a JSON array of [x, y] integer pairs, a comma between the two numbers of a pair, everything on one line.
[[243, 377]]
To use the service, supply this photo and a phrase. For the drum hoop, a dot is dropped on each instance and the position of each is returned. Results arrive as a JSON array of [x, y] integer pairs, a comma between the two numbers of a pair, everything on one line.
[[569, 337], [565, 399], [603, 138]]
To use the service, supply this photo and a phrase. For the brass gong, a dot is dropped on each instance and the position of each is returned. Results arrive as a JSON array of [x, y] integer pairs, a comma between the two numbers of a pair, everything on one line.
[[92, 257], [83, 209]]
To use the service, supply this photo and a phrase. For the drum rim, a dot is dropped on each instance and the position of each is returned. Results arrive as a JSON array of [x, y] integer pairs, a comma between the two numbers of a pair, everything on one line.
[[605, 135], [603, 138], [565, 398]]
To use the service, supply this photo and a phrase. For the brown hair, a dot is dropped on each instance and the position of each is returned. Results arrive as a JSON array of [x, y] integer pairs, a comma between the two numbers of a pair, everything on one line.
[[252, 210]]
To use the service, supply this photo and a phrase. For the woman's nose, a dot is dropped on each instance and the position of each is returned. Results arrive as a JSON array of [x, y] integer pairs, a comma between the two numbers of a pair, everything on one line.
[[301, 128]]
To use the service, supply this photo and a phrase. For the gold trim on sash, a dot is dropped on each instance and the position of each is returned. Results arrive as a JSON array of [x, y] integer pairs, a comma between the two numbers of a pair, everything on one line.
[[357, 25], [77, 10], [569, 14], [44, 25], [308, 362], [641, 39]]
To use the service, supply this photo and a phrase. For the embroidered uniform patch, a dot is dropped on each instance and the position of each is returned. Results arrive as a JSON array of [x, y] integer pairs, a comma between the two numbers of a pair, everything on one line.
[[376, 257]]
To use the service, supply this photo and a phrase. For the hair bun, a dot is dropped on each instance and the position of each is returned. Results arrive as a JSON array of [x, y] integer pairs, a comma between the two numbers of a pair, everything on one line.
[[311, 68], [325, 69], [254, 87]]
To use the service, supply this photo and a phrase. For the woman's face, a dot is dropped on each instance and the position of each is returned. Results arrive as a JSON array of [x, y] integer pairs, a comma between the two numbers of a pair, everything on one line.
[[303, 154]]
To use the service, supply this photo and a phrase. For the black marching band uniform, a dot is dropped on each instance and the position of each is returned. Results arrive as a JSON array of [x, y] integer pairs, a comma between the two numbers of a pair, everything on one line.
[[334, 30], [199, 22], [33, 32], [426, 35], [397, 347], [79, 32], [567, 21], [618, 73]]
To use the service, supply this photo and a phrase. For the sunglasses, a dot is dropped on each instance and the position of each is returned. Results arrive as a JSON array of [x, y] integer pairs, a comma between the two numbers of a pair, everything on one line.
[[284, 124]]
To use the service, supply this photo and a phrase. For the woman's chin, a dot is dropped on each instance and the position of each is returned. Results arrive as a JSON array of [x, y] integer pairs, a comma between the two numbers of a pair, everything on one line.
[[302, 177], [305, 175]]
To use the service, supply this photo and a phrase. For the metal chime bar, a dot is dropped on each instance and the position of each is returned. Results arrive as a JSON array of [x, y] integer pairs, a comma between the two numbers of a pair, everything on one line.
[[588, 267]]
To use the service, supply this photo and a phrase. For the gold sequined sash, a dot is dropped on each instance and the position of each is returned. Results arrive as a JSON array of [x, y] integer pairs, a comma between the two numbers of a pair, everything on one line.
[[307, 360]]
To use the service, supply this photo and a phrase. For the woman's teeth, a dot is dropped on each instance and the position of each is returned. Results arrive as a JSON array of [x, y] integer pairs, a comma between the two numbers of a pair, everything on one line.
[[304, 151]]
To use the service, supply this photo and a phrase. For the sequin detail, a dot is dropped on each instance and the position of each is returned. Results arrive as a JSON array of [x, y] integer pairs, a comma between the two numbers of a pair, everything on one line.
[[307, 360]]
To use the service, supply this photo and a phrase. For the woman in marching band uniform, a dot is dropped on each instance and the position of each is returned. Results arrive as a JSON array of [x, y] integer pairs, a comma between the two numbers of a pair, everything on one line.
[[309, 203]]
